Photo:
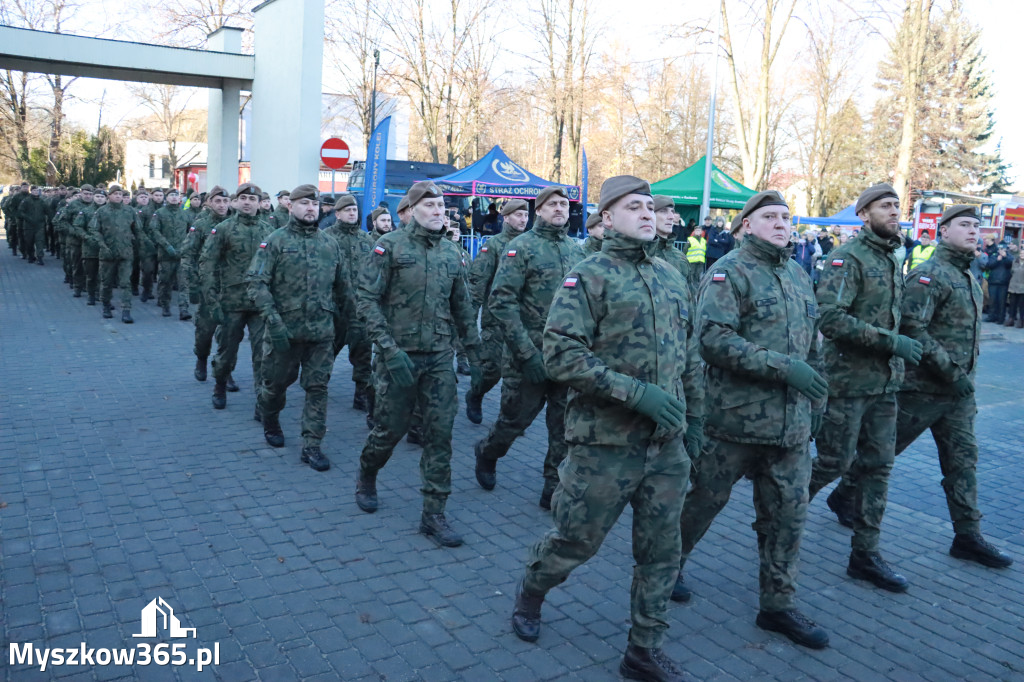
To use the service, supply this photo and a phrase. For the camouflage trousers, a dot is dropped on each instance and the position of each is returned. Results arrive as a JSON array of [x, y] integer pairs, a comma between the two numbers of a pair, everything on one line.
[[348, 332], [115, 273], [73, 262], [169, 272], [859, 435], [780, 477], [147, 270], [279, 370], [91, 275], [597, 482], [231, 333], [206, 329], [435, 391], [490, 352], [521, 402], [951, 421], [33, 239]]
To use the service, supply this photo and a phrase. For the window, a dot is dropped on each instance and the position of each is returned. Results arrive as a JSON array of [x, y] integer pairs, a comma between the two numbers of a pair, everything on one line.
[[165, 167], [152, 166]]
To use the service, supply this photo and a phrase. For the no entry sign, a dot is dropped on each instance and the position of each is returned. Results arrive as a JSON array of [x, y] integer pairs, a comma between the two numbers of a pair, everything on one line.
[[334, 153]]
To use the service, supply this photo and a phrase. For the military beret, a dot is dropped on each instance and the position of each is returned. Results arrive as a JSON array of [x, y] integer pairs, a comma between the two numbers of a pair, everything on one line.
[[594, 219], [247, 189], [172, 191], [957, 211], [874, 193], [344, 201], [766, 198], [305, 192], [158, 189], [619, 186], [661, 201], [513, 205], [377, 212], [264, 196], [549, 192], [143, 192], [101, 191], [283, 193], [424, 189], [88, 188], [216, 191], [736, 224], [114, 188], [403, 204]]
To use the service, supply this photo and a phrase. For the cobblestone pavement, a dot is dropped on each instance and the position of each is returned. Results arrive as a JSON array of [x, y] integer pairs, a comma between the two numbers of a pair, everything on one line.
[[120, 484]]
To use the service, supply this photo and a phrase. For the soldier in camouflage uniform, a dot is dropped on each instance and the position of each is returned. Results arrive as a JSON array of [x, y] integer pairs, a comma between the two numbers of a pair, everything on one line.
[[381, 220], [757, 332], [410, 293], [87, 269], [61, 224], [859, 295], [280, 216], [530, 271], [147, 260], [216, 211], [223, 264], [300, 284], [942, 309], [116, 229], [595, 235], [481, 278], [195, 208], [141, 205], [355, 244], [13, 228], [619, 335], [32, 218], [665, 212], [167, 230]]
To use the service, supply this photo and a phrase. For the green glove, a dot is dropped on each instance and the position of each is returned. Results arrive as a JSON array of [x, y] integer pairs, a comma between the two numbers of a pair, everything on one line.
[[693, 441], [533, 370], [216, 313], [277, 332], [909, 349], [400, 368], [803, 378], [194, 297], [816, 416], [963, 387], [652, 401], [476, 376], [171, 251]]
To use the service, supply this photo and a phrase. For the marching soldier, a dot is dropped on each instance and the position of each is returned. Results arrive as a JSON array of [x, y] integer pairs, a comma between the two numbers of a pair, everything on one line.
[[13, 227], [81, 227], [147, 249], [167, 230], [216, 210], [116, 229], [32, 213]]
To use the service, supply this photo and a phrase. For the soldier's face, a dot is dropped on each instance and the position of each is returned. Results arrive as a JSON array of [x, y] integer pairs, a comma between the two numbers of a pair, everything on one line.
[[632, 216], [383, 223], [770, 223], [174, 199], [219, 204], [882, 216], [248, 204], [86, 197], [349, 214], [597, 231], [404, 214], [666, 220], [429, 213], [285, 201], [517, 219], [555, 211], [158, 197], [99, 199], [264, 204], [142, 200], [306, 210], [961, 233], [115, 198]]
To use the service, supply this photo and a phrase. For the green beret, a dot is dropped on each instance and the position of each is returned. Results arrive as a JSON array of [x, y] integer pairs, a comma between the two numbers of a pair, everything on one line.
[[736, 224], [661, 201], [344, 201], [594, 219], [423, 189], [87, 188], [305, 192], [283, 193], [247, 188], [957, 211], [874, 193], [619, 186], [217, 191], [548, 192], [766, 198], [403, 204], [513, 205], [172, 191], [264, 196], [377, 212], [100, 191], [114, 188]]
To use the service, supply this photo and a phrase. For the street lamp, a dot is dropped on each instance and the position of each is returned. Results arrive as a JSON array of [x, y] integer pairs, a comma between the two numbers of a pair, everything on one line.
[[373, 100]]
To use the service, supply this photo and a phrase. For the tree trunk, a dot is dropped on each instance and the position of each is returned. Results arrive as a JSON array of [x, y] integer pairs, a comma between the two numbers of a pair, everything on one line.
[[918, 15]]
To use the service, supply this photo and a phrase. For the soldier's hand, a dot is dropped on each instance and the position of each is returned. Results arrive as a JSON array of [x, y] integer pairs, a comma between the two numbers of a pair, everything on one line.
[[963, 387], [909, 349], [533, 370], [171, 251], [654, 402], [816, 417], [277, 332], [693, 441], [400, 368], [803, 378]]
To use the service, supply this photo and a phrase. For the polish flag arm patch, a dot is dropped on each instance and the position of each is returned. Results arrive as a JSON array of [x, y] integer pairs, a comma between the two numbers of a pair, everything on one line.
[[379, 250], [924, 280], [263, 245], [511, 253], [192, 229], [483, 249], [837, 262], [213, 231], [570, 282], [718, 277]]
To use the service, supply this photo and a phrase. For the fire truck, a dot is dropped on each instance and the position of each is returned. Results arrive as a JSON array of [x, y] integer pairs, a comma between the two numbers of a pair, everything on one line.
[[1002, 215]]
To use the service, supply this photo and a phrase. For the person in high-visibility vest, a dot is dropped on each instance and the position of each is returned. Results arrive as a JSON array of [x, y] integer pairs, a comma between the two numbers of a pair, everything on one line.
[[922, 251], [696, 254]]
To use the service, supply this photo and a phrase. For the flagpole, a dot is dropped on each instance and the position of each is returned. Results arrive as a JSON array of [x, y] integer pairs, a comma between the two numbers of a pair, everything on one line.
[[705, 201]]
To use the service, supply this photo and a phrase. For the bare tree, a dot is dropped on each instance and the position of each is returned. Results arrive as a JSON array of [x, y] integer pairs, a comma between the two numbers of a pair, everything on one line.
[[170, 119], [187, 23], [909, 47]]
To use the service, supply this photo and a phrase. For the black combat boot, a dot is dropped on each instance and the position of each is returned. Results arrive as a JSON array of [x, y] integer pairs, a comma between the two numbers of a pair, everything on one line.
[[546, 493], [166, 310], [485, 469], [871, 566], [67, 279], [681, 592], [126, 316], [200, 371], [794, 625], [146, 295], [650, 665], [474, 407], [366, 491], [220, 396], [415, 436], [77, 294], [39, 261], [436, 527], [973, 547], [272, 430], [842, 507], [184, 315], [231, 385], [463, 367], [316, 460], [108, 312], [91, 300], [526, 615]]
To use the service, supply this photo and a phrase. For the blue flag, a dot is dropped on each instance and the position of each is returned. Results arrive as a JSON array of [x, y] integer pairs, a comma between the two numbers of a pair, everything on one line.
[[376, 167], [583, 193]]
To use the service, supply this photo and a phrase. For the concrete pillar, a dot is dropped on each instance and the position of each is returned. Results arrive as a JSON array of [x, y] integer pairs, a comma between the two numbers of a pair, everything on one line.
[[286, 104], [222, 116]]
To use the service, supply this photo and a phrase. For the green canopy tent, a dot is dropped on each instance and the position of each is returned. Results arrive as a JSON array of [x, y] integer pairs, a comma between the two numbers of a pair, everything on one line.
[[687, 187]]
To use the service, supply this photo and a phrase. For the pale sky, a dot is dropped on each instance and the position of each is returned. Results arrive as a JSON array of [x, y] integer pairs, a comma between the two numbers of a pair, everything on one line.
[[641, 24]]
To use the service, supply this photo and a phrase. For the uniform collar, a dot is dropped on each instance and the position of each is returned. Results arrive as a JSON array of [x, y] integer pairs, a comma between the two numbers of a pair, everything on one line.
[[507, 231], [868, 236], [960, 259], [247, 219], [297, 227], [428, 237], [765, 251], [628, 248], [347, 228], [549, 231]]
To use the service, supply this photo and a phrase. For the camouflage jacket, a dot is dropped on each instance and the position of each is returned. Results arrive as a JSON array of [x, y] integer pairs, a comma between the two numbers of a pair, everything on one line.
[[146, 246], [81, 229], [942, 309], [225, 259], [298, 272], [166, 228], [192, 247], [412, 291], [116, 227], [756, 314], [619, 318], [66, 214], [530, 271], [192, 215], [13, 204], [32, 211], [481, 274], [280, 216], [859, 295], [354, 244], [591, 245], [667, 250]]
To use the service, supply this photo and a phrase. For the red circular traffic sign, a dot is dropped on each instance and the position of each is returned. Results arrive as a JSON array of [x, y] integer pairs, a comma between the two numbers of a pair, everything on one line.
[[334, 153]]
